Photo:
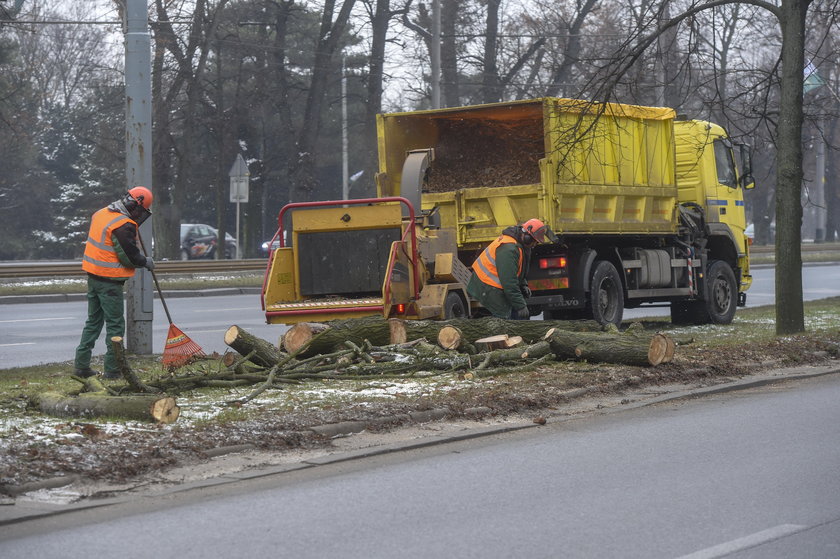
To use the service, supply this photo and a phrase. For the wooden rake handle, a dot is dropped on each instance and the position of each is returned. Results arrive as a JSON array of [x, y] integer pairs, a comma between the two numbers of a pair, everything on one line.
[[154, 277]]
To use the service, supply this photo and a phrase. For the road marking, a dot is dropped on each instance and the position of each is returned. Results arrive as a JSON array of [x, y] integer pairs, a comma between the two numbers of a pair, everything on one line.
[[746, 542], [40, 319], [21, 343]]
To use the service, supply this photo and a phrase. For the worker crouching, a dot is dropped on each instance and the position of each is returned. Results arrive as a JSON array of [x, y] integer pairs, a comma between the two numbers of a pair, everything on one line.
[[498, 281]]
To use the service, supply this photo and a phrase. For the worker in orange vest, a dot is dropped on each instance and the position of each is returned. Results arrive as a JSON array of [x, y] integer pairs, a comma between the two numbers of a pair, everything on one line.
[[498, 281], [110, 258]]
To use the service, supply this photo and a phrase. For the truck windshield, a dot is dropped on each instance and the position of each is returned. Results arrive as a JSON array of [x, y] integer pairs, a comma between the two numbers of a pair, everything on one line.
[[725, 163]]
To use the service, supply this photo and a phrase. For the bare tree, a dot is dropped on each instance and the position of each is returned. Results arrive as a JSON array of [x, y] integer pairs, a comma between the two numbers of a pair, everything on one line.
[[177, 88], [331, 30]]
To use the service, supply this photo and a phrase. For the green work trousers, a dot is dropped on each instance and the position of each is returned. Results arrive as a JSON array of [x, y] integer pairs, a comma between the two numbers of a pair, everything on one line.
[[105, 307]]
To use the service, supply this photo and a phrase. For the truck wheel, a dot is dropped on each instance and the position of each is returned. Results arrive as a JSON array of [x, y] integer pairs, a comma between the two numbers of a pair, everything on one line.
[[721, 292], [185, 254], [606, 296], [453, 306]]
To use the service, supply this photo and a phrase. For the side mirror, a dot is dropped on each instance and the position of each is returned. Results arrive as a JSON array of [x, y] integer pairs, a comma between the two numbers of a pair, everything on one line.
[[747, 181]]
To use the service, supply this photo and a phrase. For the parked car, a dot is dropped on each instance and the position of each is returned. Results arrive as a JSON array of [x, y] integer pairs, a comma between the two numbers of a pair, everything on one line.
[[268, 246], [198, 240]]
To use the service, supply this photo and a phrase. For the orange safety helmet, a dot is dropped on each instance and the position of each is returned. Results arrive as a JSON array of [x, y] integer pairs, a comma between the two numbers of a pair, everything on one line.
[[142, 196], [536, 229]]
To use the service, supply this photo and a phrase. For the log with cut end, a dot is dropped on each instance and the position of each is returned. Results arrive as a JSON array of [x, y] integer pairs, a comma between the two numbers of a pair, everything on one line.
[[243, 342], [507, 355], [473, 329], [501, 341], [611, 348], [374, 329], [138, 407], [299, 335], [450, 337]]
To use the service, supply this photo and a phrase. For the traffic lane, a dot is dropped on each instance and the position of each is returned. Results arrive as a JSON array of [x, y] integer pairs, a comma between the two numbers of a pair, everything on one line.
[[39, 333], [694, 478], [49, 332], [818, 282]]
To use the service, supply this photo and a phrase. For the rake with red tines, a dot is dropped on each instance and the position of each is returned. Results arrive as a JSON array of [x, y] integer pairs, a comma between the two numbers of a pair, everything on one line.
[[179, 349]]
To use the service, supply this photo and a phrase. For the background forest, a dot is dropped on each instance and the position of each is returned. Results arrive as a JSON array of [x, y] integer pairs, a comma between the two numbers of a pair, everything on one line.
[[264, 78]]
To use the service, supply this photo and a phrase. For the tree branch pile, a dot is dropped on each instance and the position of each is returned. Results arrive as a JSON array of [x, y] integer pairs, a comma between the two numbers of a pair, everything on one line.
[[366, 349]]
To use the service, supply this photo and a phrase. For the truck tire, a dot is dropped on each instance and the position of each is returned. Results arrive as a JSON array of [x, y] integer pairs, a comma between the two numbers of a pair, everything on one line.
[[185, 254], [453, 306], [606, 295], [721, 292]]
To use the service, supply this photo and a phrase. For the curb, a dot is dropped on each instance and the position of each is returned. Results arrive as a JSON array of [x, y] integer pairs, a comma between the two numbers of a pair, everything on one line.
[[14, 514]]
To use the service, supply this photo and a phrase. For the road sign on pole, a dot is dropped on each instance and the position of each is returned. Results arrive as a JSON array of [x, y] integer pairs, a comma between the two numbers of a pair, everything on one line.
[[238, 193], [239, 180]]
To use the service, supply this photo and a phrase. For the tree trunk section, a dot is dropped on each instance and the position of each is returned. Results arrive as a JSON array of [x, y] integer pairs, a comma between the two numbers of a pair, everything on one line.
[[450, 337], [790, 310], [610, 348], [299, 335], [139, 407], [373, 329], [473, 329], [265, 354]]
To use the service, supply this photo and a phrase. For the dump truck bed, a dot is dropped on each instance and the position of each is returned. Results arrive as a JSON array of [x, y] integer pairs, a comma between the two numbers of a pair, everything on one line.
[[585, 168]]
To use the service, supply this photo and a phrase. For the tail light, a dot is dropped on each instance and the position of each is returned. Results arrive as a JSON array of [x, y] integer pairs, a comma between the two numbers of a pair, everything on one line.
[[401, 308], [552, 262]]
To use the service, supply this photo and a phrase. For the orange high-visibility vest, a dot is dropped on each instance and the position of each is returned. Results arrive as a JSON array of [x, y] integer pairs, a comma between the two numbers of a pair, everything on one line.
[[485, 265], [100, 256]]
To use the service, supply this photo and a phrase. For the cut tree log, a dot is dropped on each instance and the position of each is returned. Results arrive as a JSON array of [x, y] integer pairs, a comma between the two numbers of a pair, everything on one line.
[[610, 348], [501, 341], [138, 407], [374, 329], [507, 355], [299, 335], [243, 342], [396, 331], [473, 329], [450, 337]]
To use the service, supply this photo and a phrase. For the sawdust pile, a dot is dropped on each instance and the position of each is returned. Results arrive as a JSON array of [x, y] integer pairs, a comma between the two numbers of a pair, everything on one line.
[[474, 154]]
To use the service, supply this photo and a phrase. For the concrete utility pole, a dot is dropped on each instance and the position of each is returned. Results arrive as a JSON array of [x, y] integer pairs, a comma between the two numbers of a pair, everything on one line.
[[345, 140], [138, 163]]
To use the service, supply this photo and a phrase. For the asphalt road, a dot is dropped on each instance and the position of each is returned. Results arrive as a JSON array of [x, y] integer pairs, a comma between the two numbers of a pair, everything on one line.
[[747, 475], [49, 332]]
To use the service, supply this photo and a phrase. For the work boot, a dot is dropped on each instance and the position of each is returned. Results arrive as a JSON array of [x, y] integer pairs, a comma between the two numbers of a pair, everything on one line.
[[111, 375], [85, 373]]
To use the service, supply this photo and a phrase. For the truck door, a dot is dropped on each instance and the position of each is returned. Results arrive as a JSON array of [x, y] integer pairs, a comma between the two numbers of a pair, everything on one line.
[[727, 204]]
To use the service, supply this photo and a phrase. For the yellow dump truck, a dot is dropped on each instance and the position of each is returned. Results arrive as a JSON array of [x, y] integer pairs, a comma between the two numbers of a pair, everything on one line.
[[647, 210]]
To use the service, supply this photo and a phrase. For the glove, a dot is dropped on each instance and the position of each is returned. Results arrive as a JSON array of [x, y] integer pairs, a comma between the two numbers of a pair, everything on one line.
[[150, 264], [526, 291], [522, 314]]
